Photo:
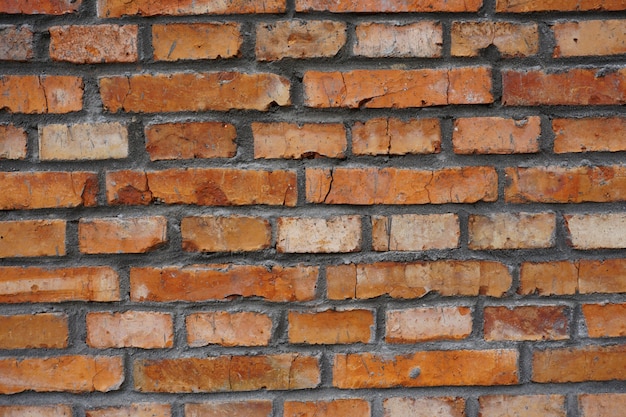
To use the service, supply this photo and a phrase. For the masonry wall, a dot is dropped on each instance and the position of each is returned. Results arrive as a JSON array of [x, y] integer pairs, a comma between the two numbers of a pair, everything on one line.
[[312, 208]]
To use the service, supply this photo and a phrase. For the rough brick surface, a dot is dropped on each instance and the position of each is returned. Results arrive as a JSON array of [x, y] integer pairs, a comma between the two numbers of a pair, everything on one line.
[[173, 42], [118, 8], [512, 231], [414, 232], [591, 37], [349, 6], [112, 235], [515, 6], [16, 43], [315, 235], [331, 327], [133, 410], [526, 323], [32, 238], [225, 234], [424, 407], [593, 134], [142, 329], [511, 39], [570, 364], [52, 7], [593, 231], [191, 140], [43, 94], [391, 136], [251, 408], [13, 142], [45, 330], [340, 407], [83, 141], [601, 405], [494, 135], [428, 323], [420, 40], [223, 328], [94, 44], [41, 411], [291, 141], [605, 320], [522, 405]]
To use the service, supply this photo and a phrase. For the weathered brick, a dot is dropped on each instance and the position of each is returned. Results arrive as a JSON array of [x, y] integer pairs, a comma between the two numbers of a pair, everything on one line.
[[83, 141], [331, 327], [16, 43], [94, 44], [415, 232], [425, 369], [593, 134], [589, 38], [601, 405], [579, 364], [391, 136], [25, 331], [26, 238], [515, 6], [512, 231], [522, 406], [41, 94], [422, 39], [365, 186], [572, 87], [199, 91], [318, 235], [293, 141], [374, 6], [224, 328], [331, 408], [605, 320], [247, 408], [122, 235], [424, 407], [225, 234], [416, 279], [119, 8], [191, 140], [128, 187], [13, 142], [415, 325], [390, 88], [511, 39], [33, 285], [59, 410], [496, 135], [537, 322], [597, 231], [289, 371], [141, 329], [62, 373], [296, 38], [53, 7], [176, 41], [133, 410], [223, 282]]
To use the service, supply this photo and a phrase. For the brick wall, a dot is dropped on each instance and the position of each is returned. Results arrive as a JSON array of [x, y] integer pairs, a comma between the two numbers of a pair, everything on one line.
[[319, 208]]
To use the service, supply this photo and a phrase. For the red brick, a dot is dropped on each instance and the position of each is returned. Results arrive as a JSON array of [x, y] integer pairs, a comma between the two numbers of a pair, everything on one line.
[[375, 6], [173, 42], [389, 88], [511, 39], [593, 134], [589, 38], [537, 322], [16, 43], [425, 369], [605, 320], [223, 282], [224, 328], [122, 235], [13, 142], [247, 408], [515, 6], [33, 285], [579, 364], [225, 234], [415, 232], [94, 44], [331, 327], [522, 406], [597, 231], [191, 140], [219, 91], [118, 8], [416, 279], [414, 325], [512, 231], [424, 407], [141, 329], [133, 410], [26, 238], [62, 373], [59, 410], [296, 38], [390, 136], [496, 135], [41, 94], [53, 7], [366, 186], [601, 405], [83, 141], [289, 371], [332, 408], [293, 141], [573, 87], [422, 39], [319, 235], [43, 330]]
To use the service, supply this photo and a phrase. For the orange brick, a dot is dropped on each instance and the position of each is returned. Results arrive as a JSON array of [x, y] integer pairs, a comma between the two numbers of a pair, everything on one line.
[[597, 231], [526, 323], [33, 285], [28, 238], [390, 136], [219, 91], [574, 87], [579, 364], [59, 410], [589, 38], [496, 135], [128, 187], [173, 42], [522, 405], [605, 320], [415, 232], [416, 279], [133, 410], [389, 88], [225, 234], [593, 134], [512, 231], [515, 6], [374, 6], [317, 235], [293, 141], [415, 325], [16, 43], [62, 373], [289, 371], [119, 8], [41, 94], [248, 408], [331, 327], [511, 39], [366, 186], [83, 141], [13, 142], [191, 140], [141, 329], [43, 330], [224, 328], [603, 276], [122, 235], [340, 407], [425, 369], [422, 39], [94, 44], [296, 38], [601, 405], [424, 407], [223, 282], [53, 7]]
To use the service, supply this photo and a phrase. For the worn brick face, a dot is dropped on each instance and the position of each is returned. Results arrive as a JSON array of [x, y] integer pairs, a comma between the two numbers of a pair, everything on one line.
[[133, 410], [495, 135], [83, 141], [426, 324], [24, 331], [424, 407], [605, 320], [119, 235], [250, 408], [511, 39], [94, 44], [13, 142], [522, 405], [28, 238], [223, 328], [33, 94], [318, 235], [512, 231], [515, 6], [593, 134], [225, 234], [331, 327], [16, 43], [173, 42], [118, 8], [339, 407], [591, 37], [577, 364], [52, 7], [601, 405], [292, 141], [372, 6], [142, 329], [526, 323], [415, 232], [59, 410], [419, 40], [190, 140], [597, 231], [391, 136]]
